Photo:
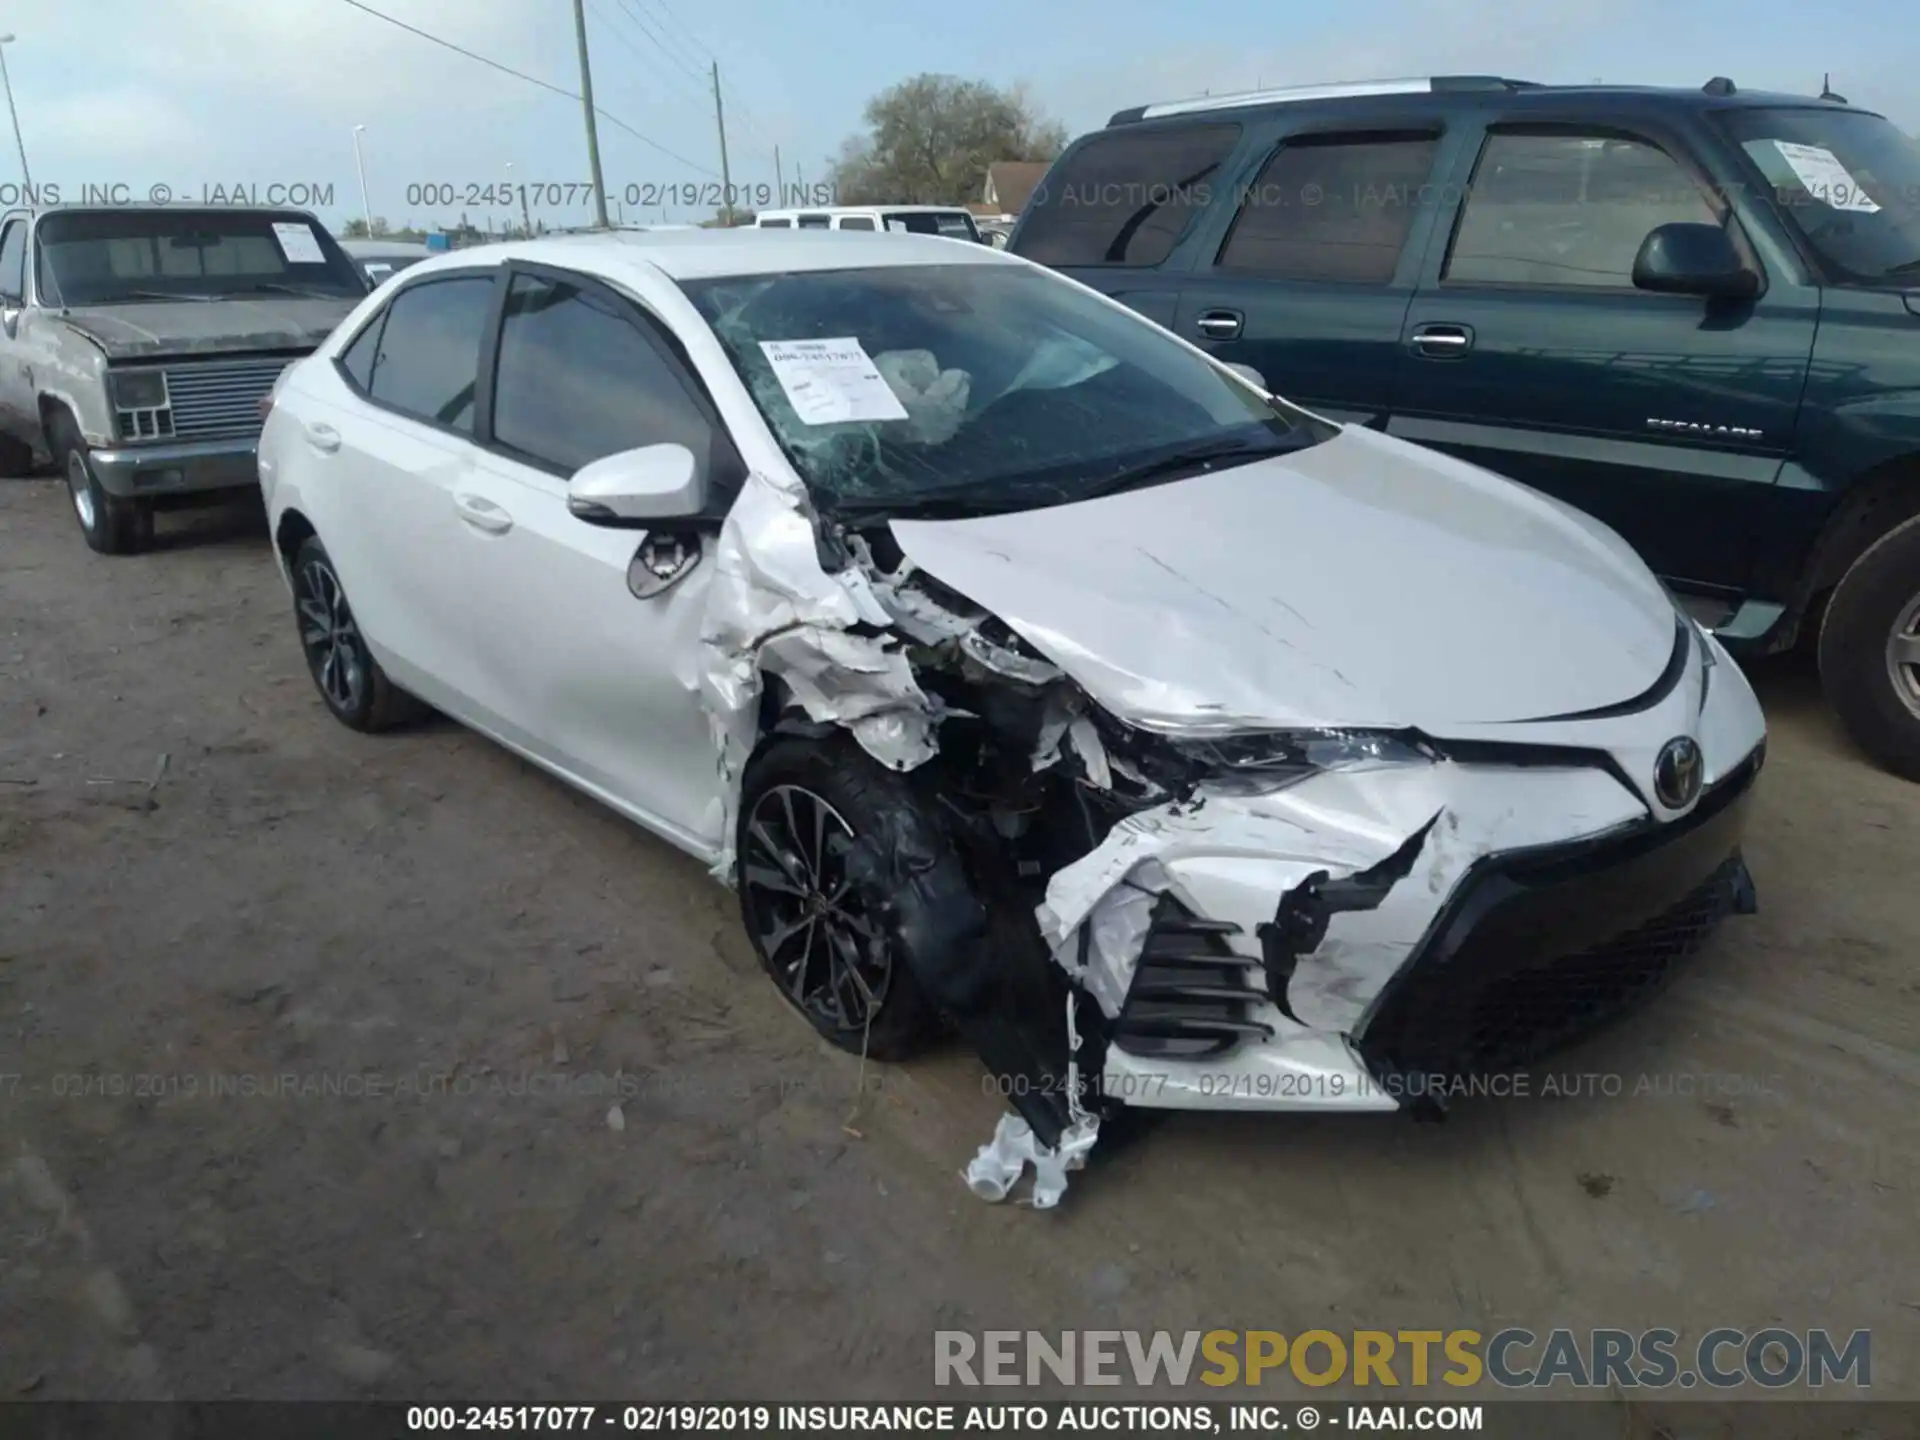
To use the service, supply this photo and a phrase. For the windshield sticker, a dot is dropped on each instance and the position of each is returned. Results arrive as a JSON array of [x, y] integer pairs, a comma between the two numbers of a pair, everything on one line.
[[1826, 179], [298, 244], [832, 382]]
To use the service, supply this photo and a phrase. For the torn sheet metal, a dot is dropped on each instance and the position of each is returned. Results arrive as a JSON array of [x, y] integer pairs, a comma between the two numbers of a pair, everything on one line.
[[772, 607]]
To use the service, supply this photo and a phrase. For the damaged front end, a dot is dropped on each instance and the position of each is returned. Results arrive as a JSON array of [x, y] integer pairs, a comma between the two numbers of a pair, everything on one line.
[[1207, 916]]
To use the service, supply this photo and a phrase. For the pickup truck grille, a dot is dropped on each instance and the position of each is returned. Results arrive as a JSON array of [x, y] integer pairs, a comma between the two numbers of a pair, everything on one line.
[[210, 400]]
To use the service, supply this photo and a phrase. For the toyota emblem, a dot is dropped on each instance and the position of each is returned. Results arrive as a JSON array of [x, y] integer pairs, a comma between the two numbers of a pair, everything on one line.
[[1677, 772]]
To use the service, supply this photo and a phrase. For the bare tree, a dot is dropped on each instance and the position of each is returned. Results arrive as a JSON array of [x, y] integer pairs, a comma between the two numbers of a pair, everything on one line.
[[930, 140]]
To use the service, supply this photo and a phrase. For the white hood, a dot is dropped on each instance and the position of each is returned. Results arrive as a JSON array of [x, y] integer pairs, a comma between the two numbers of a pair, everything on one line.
[[1360, 582]]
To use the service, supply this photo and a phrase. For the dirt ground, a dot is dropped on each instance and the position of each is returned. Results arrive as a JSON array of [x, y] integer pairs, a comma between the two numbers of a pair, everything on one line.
[[306, 1040]]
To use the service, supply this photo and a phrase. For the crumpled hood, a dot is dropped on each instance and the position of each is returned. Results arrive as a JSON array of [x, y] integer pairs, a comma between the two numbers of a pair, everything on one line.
[[1364, 581], [185, 327]]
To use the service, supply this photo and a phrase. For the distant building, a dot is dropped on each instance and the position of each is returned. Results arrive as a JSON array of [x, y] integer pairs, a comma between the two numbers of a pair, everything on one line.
[[1009, 185]]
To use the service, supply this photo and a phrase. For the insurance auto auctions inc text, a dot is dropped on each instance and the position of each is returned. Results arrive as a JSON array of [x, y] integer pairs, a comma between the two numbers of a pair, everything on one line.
[[1720, 1359]]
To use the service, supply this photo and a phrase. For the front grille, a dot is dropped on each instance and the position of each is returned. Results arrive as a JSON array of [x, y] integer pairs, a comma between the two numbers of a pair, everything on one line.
[[1191, 996], [1528, 1013], [220, 399], [1537, 948]]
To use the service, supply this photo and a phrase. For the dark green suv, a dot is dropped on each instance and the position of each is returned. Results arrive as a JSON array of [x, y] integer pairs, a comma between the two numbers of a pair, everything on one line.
[[1694, 314]]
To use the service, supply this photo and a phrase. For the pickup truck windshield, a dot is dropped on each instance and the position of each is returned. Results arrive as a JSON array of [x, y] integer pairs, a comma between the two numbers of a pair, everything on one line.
[[973, 389], [123, 257], [1849, 181]]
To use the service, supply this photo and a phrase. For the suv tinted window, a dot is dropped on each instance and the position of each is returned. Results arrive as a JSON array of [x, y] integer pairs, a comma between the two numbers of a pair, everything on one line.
[[429, 358], [857, 222], [1567, 210], [1124, 198], [578, 380], [13, 260], [1332, 208]]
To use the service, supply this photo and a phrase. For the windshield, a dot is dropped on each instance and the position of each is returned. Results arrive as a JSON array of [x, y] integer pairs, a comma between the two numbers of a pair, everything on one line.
[[1848, 180], [974, 388], [111, 257]]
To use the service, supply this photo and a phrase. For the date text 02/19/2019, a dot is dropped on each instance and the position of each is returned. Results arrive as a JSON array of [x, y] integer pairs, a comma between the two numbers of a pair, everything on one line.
[[557, 194]]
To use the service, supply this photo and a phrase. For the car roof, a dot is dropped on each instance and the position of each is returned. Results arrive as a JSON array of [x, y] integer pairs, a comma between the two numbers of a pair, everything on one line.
[[1515, 96], [704, 254], [383, 249], [870, 210]]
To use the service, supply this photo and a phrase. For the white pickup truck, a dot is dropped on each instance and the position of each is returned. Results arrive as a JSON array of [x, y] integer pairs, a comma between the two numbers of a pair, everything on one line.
[[137, 342]]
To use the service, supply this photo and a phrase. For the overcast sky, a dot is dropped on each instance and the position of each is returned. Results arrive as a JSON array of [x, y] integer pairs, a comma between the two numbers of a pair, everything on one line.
[[185, 94]]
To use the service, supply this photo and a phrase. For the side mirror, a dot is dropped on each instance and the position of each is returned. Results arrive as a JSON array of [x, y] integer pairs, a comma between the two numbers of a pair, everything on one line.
[[638, 488], [1252, 376], [1693, 259]]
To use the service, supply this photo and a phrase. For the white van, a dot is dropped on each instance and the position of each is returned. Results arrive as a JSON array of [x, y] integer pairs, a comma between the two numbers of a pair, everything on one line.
[[948, 220]]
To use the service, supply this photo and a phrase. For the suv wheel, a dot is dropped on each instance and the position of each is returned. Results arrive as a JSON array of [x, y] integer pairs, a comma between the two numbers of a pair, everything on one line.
[[113, 524], [823, 936], [1870, 650], [349, 679]]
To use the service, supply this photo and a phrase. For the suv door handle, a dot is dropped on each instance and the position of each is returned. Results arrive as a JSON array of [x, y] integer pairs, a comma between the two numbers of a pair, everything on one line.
[[1220, 324], [1443, 342], [323, 437], [483, 514]]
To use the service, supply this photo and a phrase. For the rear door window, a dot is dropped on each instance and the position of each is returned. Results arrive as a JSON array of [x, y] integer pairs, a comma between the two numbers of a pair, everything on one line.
[[1334, 207], [428, 363], [856, 222], [1125, 197], [1567, 209]]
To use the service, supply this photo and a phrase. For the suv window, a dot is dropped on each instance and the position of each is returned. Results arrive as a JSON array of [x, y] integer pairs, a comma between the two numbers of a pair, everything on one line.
[[429, 349], [578, 379], [1125, 198], [1331, 208], [1566, 209], [856, 222], [13, 260]]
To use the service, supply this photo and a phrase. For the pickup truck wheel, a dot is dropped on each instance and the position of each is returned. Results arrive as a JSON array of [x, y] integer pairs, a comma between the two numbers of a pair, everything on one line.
[[349, 679], [1870, 650], [113, 524]]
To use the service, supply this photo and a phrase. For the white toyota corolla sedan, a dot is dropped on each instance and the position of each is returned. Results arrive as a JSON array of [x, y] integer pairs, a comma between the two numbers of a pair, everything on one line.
[[1026, 671]]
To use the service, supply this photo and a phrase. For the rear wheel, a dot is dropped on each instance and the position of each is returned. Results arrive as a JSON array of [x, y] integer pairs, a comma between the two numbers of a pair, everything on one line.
[[1870, 650], [821, 932], [349, 679], [112, 524]]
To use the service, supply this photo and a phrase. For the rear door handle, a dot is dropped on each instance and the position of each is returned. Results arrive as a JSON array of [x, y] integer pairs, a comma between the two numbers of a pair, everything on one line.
[[323, 437], [482, 514], [1220, 324], [1443, 342]]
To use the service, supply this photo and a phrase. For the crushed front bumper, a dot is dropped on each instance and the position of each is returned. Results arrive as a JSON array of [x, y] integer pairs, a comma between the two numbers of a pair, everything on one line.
[[1473, 964], [141, 470]]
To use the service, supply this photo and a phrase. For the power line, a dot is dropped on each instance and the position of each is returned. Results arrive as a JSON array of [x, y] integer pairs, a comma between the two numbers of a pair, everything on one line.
[[700, 61], [613, 120], [607, 21], [689, 67]]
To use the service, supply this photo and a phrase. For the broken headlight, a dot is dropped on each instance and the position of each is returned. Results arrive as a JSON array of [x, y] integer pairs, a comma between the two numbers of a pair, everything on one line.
[[1257, 762]]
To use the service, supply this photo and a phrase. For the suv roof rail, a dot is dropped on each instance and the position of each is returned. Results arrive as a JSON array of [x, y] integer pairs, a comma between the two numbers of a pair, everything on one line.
[[1427, 85]]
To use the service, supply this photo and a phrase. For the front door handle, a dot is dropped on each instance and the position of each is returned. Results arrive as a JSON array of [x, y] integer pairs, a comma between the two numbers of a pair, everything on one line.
[[323, 437], [482, 514], [1442, 342], [1220, 324]]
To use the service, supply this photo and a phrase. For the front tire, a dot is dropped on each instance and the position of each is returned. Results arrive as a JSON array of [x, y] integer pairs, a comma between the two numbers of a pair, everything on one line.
[[821, 931], [344, 671], [112, 524], [1870, 650]]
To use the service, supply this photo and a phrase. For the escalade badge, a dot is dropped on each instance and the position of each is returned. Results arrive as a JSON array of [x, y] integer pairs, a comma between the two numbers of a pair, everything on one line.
[[1676, 773]]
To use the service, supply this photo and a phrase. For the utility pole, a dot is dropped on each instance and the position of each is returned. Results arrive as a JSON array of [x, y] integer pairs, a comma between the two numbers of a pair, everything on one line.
[[586, 104], [779, 179], [366, 205], [26, 180], [720, 119]]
